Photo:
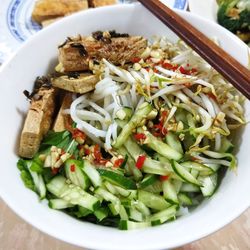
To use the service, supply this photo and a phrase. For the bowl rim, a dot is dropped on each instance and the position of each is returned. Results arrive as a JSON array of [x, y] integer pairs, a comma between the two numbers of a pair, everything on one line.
[[98, 245]]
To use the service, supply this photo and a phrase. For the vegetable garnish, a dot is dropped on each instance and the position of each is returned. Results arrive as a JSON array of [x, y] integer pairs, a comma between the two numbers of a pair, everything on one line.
[[150, 141], [140, 161]]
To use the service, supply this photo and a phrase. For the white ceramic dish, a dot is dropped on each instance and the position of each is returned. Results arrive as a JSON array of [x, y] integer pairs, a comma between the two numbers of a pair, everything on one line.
[[35, 58]]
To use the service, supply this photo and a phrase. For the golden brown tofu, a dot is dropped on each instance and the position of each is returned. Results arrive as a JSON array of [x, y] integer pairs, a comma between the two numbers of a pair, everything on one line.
[[38, 122], [49, 9], [82, 84], [62, 118], [76, 53], [99, 3]]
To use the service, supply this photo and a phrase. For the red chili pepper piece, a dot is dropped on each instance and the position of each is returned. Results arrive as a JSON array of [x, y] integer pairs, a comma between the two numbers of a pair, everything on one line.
[[55, 171], [72, 168], [140, 136], [118, 163], [135, 59], [212, 96], [184, 71], [97, 152], [164, 131], [140, 161], [87, 151], [164, 178]]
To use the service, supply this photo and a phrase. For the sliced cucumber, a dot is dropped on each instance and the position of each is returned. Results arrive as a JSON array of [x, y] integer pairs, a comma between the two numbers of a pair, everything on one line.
[[124, 113], [148, 180], [129, 225], [184, 174], [135, 215], [209, 184], [169, 192], [155, 167], [161, 147], [226, 146], [106, 195], [204, 170], [101, 213], [163, 216], [140, 114], [189, 188], [155, 188], [153, 201], [59, 204], [174, 142], [185, 200], [117, 179], [73, 171], [72, 193], [140, 206], [92, 173]]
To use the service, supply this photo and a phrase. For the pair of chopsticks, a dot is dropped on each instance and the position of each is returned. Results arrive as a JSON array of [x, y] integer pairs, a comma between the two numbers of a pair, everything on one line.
[[226, 65]]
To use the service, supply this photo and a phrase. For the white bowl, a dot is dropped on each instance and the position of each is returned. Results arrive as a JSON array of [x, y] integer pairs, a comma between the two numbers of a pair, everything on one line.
[[36, 57]]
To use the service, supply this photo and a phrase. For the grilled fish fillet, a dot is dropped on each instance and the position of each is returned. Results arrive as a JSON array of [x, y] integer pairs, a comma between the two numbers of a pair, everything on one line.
[[48, 9], [38, 122], [62, 118], [76, 53], [82, 84]]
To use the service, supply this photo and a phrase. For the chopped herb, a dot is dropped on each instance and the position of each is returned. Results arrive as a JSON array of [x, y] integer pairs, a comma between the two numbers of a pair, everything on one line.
[[81, 48], [113, 33]]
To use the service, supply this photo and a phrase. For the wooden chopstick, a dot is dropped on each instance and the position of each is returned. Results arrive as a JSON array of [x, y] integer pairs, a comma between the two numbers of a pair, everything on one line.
[[226, 65]]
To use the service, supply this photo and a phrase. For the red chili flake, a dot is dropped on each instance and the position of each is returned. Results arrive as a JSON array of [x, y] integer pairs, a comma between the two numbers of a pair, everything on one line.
[[164, 115], [54, 171], [156, 71], [78, 135], [140, 136], [184, 71], [135, 59], [147, 69], [164, 178], [140, 161], [167, 65], [192, 71], [97, 152], [212, 96], [118, 163], [87, 151], [164, 131], [72, 168]]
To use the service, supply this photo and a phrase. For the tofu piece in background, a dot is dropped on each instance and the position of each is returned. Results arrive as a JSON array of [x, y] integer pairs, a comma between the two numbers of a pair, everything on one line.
[[38, 122], [49, 9], [99, 3], [62, 118]]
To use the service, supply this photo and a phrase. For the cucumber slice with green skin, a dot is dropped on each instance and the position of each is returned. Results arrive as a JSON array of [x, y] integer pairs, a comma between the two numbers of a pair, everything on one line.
[[124, 113], [106, 195], [83, 212], [189, 188], [184, 174], [185, 200], [117, 179], [163, 216], [130, 225], [177, 185], [131, 164], [161, 147], [114, 208], [140, 206], [72, 193], [140, 114], [209, 184], [92, 173], [194, 173], [155, 188], [123, 213], [204, 170], [135, 215], [148, 180], [214, 167], [101, 213], [38, 181], [110, 188], [153, 201], [73, 171], [169, 192], [59, 204], [174, 142]]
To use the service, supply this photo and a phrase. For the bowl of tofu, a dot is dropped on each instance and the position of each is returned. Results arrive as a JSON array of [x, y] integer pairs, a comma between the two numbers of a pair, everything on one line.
[[25, 121]]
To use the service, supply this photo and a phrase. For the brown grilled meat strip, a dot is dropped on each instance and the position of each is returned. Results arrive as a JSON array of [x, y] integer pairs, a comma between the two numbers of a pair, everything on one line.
[[49, 9], [82, 84], [38, 121], [75, 54]]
